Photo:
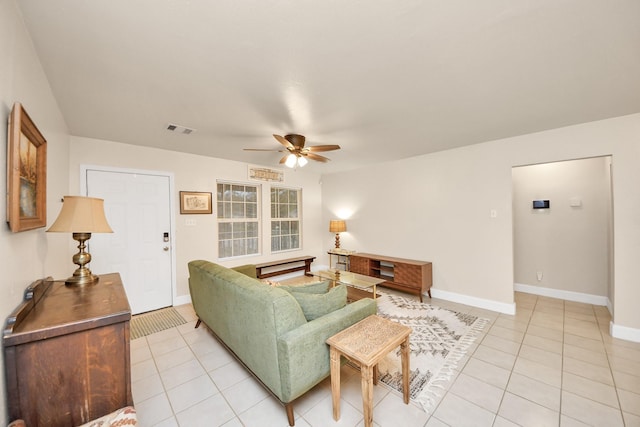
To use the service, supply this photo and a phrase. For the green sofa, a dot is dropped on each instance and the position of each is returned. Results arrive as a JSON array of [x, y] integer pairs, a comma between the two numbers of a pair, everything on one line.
[[266, 329]]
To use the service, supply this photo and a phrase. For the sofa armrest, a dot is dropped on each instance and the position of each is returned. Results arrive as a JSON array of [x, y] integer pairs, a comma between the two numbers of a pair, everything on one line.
[[304, 353], [247, 270]]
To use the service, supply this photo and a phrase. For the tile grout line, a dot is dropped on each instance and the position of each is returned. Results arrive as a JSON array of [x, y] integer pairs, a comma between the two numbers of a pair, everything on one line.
[[613, 377], [504, 392], [236, 415]]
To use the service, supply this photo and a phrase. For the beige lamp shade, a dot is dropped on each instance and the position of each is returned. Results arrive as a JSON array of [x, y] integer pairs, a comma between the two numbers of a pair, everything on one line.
[[81, 215], [337, 226]]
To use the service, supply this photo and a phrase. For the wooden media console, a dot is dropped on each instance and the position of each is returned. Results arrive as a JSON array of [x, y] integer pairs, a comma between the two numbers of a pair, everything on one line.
[[406, 275]]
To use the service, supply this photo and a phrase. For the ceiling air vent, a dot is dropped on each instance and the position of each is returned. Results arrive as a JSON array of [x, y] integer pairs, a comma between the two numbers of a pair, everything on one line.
[[180, 129]]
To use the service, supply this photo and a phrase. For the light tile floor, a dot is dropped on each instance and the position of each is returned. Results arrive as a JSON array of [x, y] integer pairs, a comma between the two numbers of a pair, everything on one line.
[[552, 364]]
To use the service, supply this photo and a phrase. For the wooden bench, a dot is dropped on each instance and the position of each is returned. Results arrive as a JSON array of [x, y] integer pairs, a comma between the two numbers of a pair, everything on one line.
[[304, 263]]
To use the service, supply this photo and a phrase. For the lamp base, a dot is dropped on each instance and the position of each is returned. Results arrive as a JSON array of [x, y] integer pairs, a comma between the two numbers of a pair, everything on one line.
[[337, 240], [82, 278]]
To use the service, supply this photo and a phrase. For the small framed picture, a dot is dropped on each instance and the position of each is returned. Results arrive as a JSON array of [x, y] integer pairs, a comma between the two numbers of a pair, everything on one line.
[[193, 202], [26, 173]]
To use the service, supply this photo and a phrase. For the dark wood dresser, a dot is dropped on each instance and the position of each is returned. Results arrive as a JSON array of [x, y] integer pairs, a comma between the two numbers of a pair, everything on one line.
[[66, 353]]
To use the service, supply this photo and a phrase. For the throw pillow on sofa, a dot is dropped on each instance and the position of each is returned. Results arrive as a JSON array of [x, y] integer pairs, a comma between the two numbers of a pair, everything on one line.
[[316, 305], [308, 288]]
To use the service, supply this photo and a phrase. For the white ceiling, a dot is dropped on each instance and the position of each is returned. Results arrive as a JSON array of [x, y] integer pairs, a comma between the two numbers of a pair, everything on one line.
[[385, 79]]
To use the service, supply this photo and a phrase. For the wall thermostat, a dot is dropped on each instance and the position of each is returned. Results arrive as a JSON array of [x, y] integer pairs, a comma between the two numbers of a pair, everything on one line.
[[540, 204]]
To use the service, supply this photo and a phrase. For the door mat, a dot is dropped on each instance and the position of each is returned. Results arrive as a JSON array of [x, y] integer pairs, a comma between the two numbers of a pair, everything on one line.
[[155, 321], [439, 340]]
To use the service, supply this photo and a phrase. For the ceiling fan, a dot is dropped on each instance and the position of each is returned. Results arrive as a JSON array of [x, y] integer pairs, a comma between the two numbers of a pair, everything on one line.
[[297, 152]]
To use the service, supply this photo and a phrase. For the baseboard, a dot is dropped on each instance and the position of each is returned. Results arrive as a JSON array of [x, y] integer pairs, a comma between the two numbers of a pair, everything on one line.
[[486, 304], [624, 332], [182, 300], [560, 294]]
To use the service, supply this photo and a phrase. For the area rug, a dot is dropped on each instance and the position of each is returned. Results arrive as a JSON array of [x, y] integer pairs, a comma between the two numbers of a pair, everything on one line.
[[155, 321], [440, 339]]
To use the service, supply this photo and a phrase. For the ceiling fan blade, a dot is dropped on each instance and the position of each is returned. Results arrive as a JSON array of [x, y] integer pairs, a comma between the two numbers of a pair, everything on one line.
[[284, 159], [316, 157], [283, 141], [318, 148]]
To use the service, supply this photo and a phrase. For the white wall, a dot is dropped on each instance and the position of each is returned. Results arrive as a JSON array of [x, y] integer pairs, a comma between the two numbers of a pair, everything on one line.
[[437, 208], [434, 208], [568, 245], [199, 173], [34, 254]]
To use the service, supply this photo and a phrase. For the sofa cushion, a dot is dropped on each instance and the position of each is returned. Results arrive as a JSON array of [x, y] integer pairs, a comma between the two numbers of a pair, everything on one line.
[[316, 305], [308, 288]]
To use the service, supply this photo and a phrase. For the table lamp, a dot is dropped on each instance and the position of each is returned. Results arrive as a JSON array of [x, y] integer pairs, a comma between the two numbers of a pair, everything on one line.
[[81, 216], [337, 226]]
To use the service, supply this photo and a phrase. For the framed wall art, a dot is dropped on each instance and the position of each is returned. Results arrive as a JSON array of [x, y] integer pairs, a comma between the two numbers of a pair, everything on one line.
[[193, 202], [26, 173]]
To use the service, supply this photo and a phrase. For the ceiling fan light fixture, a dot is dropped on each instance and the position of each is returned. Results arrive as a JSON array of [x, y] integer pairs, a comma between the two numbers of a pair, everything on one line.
[[298, 155], [291, 161]]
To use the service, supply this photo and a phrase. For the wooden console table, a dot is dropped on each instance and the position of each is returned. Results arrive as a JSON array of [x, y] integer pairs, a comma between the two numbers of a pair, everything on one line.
[[402, 274], [67, 354], [302, 263], [342, 258], [366, 343]]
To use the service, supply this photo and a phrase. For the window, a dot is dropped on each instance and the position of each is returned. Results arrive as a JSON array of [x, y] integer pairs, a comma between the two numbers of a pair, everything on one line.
[[285, 219], [238, 222]]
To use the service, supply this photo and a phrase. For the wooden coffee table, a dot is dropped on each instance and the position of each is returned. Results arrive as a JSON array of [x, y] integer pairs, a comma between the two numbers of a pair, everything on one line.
[[365, 344]]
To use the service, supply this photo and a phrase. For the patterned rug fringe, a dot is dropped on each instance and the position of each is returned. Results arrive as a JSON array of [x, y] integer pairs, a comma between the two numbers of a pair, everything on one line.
[[155, 321], [439, 341], [432, 393]]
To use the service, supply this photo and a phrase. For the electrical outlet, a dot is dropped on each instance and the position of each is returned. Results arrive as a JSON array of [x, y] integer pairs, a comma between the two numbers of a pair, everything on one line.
[[539, 275]]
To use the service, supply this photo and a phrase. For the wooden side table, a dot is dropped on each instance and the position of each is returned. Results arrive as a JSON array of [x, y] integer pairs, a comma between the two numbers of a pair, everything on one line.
[[365, 344]]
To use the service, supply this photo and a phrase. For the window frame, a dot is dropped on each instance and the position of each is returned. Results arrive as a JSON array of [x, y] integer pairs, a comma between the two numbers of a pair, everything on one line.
[[276, 207], [222, 221]]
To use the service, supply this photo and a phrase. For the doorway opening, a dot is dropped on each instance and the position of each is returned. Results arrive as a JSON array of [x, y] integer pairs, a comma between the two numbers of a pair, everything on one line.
[[563, 230]]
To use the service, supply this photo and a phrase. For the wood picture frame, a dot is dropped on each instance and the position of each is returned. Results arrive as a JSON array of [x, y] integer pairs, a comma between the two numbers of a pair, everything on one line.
[[26, 173], [195, 202]]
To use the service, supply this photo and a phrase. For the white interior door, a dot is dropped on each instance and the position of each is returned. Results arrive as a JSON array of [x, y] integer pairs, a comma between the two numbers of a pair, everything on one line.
[[138, 208]]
